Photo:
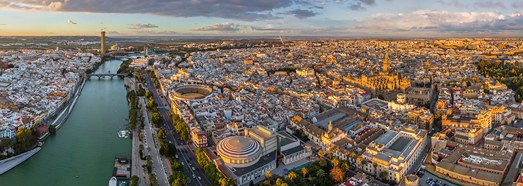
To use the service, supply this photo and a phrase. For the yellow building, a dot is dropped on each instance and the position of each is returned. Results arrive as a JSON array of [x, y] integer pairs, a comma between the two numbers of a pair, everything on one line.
[[468, 136], [482, 119], [383, 82], [421, 117], [393, 154]]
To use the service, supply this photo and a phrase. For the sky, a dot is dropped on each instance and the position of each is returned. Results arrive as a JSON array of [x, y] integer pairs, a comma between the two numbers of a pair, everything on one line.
[[348, 18]]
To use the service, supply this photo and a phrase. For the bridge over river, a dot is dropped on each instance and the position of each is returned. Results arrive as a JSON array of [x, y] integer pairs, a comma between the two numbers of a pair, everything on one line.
[[108, 75]]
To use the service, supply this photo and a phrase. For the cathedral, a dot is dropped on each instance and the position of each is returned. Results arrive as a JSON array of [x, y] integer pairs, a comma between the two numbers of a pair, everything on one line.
[[383, 83]]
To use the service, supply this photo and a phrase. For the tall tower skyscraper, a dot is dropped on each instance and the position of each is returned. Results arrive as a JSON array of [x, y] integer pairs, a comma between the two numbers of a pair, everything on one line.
[[102, 43]]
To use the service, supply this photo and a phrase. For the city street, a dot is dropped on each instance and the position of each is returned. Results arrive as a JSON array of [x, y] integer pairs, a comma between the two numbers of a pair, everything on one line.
[[185, 152], [158, 165]]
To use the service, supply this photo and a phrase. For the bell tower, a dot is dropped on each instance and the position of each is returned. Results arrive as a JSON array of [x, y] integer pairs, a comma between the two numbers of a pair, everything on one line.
[[386, 63]]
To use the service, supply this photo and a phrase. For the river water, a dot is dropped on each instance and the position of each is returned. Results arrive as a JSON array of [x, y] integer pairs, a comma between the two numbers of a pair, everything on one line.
[[83, 150]]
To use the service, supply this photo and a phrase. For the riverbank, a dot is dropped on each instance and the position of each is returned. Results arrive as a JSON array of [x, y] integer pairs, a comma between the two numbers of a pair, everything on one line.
[[82, 153], [9, 163], [69, 107]]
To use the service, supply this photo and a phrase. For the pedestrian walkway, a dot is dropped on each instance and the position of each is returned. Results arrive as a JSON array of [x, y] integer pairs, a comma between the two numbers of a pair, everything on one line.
[[8, 164]]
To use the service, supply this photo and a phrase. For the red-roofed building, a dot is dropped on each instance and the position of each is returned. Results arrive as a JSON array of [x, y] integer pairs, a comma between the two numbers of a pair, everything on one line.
[[43, 129]]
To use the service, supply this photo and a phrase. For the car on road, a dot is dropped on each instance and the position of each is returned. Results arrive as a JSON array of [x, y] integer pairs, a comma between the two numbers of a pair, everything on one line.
[[193, 176], [200, 178], [193, 169]]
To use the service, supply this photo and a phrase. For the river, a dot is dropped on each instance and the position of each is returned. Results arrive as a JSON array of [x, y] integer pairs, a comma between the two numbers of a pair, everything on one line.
[[83, 150]]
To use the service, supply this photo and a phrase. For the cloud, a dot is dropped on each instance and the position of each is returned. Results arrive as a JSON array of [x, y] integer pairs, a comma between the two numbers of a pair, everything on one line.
[[357, 7], [114, 33], [453, 3], [71, 22], [140, 26], [301, 14], [233, 9], [156, 32], [221, 27], [368, 2], [443, 21], [490, 4], [229, 28], [245, 10], [517, 5]]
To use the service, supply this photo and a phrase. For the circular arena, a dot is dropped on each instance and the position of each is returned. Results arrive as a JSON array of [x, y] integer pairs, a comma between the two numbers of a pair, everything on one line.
[[192, 92], [239, 151]]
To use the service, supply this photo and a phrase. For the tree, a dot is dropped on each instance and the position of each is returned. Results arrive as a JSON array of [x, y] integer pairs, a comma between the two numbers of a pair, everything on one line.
[[359, 160], [304, 171], [268, 175], [25, 139], [152, 179], [224, 182], [134, 180], [323, 162], [383, 175], [292, 175], [352, 154], [5, 143], [251, 183], [161, 134], [149, 164], [320, 173], [321, 153], [140, 92], [280, 182], [345, 166], [336, 175], [148, 94], [176, 166], [178, 178], [151, 103], [336, 162], [184, 135], [156, 118], [52, 129]]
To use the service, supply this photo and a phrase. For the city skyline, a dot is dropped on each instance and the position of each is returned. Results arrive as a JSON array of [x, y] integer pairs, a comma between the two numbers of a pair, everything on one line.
[[351, 18]]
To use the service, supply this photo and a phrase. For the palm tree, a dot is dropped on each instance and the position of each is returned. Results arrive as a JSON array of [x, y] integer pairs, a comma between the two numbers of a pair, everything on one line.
[[304, 171], [292, 175]]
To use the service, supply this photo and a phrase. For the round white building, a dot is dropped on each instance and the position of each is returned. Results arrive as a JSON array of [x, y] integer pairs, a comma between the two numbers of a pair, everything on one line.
[[239, 151]]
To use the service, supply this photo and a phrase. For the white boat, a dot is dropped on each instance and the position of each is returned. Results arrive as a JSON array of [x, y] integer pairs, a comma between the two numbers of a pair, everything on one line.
[[123, 134], [113, 181]]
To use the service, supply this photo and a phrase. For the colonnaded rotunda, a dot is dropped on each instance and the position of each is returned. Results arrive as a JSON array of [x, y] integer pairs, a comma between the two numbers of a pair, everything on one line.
[[239, 151]]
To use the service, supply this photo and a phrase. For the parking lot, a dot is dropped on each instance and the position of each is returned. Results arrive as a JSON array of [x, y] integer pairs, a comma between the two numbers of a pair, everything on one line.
[[428, 179]]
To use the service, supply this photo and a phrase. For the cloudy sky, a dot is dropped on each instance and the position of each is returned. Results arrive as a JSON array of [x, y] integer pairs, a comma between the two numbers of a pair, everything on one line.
[[352, 18]]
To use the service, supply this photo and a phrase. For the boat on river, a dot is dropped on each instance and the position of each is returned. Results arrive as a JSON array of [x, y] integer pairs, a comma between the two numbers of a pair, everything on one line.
[[113, 181], [123, 134]]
